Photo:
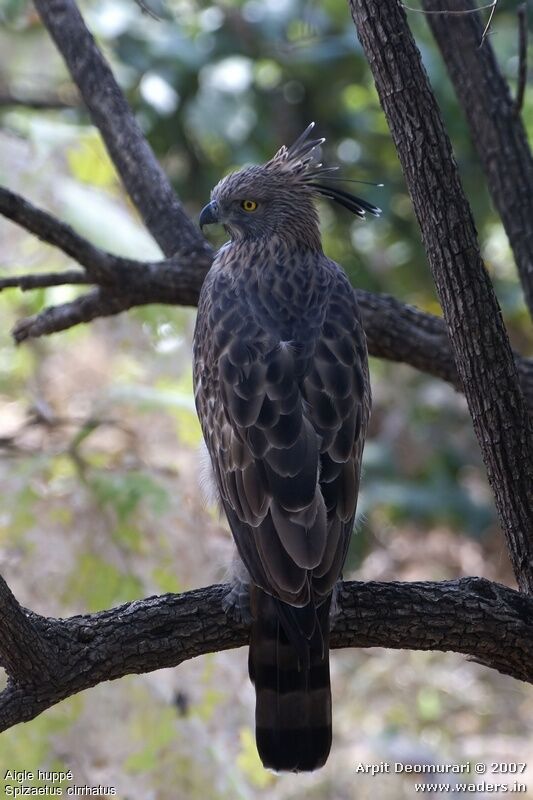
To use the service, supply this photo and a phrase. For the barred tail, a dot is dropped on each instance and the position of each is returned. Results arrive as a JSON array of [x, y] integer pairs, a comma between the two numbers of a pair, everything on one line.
[[289, 665]]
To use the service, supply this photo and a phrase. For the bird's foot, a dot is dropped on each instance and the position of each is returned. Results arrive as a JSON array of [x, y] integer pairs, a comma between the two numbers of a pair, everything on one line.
[[335, 609], [236, 603]]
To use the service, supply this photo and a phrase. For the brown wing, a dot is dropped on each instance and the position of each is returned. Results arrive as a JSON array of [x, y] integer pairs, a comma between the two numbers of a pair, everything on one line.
[[284, 424], [337, 392]]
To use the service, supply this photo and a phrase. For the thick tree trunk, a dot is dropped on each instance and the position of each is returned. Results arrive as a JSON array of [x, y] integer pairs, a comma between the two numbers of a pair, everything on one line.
[[479, 341], [48, 659], [497, 130]]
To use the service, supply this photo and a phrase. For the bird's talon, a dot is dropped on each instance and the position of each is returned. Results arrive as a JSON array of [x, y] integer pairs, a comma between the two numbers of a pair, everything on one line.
[[236, 604]]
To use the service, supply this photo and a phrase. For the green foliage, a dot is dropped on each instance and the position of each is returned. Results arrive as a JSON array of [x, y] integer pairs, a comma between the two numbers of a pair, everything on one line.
[[23, 515], [124, 492], [98, 584], [428, 703], [174, 396], [89, 161], [211, 697], [166, 580], [31, 747], [249, 762], [160, 753], [425, 501], [153, 740], [216, 86]]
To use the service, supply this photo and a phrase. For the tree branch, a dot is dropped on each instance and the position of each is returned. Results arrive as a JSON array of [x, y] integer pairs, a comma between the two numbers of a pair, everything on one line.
[[145, 181], [486, 621], [521, 15], [185, 273], [48, 659], [94, 304], [478, 338], [48, 102], [496, 129], [486, 29], [44, 279], [22, 652], [97, 264], [394, 330]]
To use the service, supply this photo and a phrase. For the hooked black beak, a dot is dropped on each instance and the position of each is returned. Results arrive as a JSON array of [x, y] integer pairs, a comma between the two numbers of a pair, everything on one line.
[[209, 215]]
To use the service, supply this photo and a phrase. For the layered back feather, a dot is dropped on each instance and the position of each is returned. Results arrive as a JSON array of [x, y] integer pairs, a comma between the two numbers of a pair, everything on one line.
[[282, 392]]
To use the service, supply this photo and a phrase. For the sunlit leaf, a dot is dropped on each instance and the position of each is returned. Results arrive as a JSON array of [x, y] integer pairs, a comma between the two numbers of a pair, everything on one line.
[[89, 161], [97, 584], [249, 762]]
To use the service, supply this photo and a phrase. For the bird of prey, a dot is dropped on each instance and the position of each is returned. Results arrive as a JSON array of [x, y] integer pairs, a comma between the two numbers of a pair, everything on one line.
[[283, 396]]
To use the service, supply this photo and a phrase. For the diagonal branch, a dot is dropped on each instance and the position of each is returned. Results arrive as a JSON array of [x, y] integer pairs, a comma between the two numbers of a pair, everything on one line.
[[486, 621], [496, 129], [185, 273], [521, 16], [93, 304], [394, 331], [141, 174], [486, 29], [98, 264], [478, 337]]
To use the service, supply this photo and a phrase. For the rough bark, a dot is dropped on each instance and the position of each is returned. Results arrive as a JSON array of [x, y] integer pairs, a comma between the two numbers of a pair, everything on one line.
[[141, 173], [478, 337], [486, 621], [49, 659], [496, 128], [394, 330], [177, 279], [23, 653]]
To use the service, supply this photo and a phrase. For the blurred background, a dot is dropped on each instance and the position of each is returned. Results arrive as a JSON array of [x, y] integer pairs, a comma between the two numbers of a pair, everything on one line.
[[98, 434]]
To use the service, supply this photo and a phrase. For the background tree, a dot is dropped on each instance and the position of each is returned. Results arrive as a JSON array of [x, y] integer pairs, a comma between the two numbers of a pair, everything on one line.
[[213, 87]]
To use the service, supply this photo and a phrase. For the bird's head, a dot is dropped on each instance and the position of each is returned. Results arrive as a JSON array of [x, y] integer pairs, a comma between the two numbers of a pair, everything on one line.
[[276, 198]]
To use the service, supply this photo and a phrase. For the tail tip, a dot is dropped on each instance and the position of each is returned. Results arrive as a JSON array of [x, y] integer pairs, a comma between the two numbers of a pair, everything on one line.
[[293, 750]]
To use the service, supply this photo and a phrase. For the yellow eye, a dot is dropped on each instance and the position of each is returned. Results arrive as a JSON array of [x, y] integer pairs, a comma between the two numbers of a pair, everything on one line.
[[249, 205]]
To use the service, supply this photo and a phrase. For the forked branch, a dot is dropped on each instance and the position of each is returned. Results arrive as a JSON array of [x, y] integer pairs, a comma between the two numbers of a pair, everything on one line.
[[497, 130], [48, 660], [394, 330]]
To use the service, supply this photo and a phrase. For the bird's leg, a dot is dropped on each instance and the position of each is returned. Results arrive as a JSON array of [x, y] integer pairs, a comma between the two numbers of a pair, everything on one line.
[[236, 603]]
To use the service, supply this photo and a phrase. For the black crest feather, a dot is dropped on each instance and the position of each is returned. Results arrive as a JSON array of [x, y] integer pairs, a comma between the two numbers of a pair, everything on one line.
[[354, 204], [302, 161]]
